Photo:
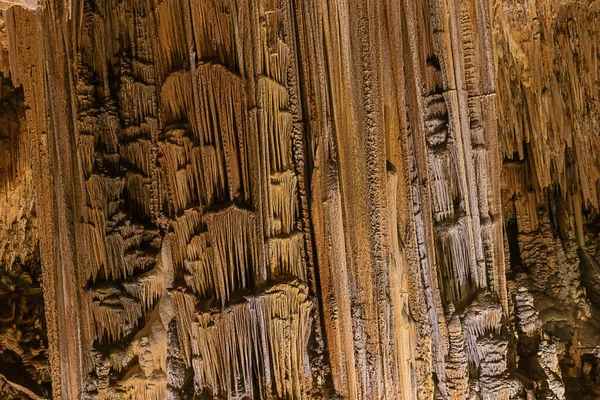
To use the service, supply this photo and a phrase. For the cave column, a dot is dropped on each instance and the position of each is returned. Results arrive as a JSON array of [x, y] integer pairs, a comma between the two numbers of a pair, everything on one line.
[[41, 60]]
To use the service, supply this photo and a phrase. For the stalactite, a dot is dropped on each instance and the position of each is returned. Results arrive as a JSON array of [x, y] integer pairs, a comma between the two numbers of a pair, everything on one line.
[[457, 366], [299, 199], [285, 256], [233, 241], [265, 335]]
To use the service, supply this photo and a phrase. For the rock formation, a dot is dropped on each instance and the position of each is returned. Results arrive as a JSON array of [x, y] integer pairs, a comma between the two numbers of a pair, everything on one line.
[[299, 199]]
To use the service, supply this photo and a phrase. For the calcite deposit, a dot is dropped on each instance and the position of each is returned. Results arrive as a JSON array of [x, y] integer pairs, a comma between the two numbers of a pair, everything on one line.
[[300, 199]]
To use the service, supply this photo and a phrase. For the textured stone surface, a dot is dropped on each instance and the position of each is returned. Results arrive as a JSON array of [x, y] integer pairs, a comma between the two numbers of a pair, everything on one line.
[[278, 199]]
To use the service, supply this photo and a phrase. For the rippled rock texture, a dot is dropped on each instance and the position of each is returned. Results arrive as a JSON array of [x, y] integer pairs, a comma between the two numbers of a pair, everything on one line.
[[300, 199]]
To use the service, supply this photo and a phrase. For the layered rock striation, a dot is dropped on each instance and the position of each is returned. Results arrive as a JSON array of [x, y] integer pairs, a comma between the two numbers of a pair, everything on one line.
[[281, 199]]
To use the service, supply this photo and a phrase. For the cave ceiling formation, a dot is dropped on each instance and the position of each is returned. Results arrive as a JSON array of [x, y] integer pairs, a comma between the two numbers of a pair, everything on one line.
[[299, 199]]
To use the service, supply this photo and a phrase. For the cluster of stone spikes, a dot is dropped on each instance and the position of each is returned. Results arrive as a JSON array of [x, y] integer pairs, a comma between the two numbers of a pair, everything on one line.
[[317, 199]]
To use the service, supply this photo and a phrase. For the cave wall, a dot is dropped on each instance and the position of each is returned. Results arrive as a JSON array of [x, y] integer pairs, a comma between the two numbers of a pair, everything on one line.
[[300, 199]]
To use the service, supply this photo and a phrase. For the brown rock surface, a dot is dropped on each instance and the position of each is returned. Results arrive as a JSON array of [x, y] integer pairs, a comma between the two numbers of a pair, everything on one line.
[[300, 199]]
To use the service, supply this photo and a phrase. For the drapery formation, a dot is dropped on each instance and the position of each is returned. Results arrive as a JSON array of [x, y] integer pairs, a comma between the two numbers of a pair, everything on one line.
[[299, 199]]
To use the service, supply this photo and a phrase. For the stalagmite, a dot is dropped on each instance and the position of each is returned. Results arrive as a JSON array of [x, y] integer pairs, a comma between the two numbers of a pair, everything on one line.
[[316, 199]]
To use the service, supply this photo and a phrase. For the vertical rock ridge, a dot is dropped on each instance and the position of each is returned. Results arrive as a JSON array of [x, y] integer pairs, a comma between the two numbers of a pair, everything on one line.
[[279, 199]]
